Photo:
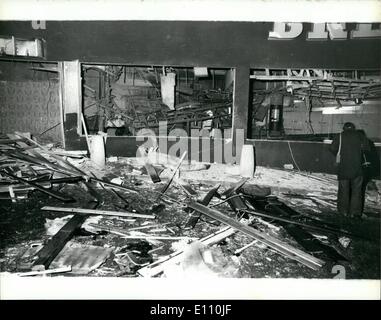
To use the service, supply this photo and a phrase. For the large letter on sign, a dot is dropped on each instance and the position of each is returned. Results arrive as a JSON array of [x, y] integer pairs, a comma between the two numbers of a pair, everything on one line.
[[337, 31], [318, 32], [364, 30], [39, 24], [286, 30]]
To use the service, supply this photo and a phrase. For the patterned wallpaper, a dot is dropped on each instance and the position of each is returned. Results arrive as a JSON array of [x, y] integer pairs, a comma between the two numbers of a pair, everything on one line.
[[30, 106]]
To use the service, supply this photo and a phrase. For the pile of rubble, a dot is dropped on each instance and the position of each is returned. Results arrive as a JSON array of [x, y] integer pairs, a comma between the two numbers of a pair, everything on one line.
[[119, 225]]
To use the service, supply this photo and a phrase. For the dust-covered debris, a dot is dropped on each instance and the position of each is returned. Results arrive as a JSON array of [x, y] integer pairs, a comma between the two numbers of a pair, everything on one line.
[[136, 244]]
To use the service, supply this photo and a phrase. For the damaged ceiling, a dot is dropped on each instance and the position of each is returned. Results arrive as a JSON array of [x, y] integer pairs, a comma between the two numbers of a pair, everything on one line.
[[135, 98]]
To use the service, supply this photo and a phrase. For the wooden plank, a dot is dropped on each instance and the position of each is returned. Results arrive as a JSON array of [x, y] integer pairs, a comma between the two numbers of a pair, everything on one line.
[[115, 186], [82, 258], [255, 190], [125, 234], [323, 229], [236, 203], [98, 212], [238, 251], [22, 187], [78, 154], [67, 166], [85, 131], [66, 180], [147, 226], [209, 196], [31, 159], [152, 172], [49, 271], [234, 188], [33, 153], [313, 245], [218, 236], [126, 203], [53, 69], [47, 254], [195, 215], [158, 267], [52, 193], [9, 141], [171, 178], [271, 242], [22, 156]]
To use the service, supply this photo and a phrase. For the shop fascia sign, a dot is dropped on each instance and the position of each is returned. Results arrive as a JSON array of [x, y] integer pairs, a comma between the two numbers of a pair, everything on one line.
[[323, 31]]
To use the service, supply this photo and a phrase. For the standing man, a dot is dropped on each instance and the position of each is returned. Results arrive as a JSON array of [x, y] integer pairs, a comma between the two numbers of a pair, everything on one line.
[[348, 147]]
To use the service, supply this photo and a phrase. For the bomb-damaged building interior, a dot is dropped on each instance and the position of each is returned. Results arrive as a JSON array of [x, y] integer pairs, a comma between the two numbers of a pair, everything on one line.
[[190, 149]]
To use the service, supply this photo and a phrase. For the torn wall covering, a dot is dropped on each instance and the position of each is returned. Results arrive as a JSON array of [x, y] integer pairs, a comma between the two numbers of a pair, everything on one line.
[[30, 106]]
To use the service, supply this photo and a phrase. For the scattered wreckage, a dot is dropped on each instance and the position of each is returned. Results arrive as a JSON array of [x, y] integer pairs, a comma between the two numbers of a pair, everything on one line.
[[148, 243]]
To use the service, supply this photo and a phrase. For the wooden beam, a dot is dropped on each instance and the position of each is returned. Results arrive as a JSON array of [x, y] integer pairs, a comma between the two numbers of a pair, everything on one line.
[[114, 185], [52, 193], [22, 187], [39, 273], [171, 178], [9, 141], [159, 266], [238, 251], [325, 229], [85, 131], [152, 172], [234, 188], [274, 243], [98, 212], [235, 203], [125, 234], [45, 69], [194, 215], [47, 254], [32, 159]]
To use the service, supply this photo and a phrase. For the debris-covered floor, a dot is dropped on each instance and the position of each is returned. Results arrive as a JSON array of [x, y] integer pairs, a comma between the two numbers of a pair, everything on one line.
[[287, 226]]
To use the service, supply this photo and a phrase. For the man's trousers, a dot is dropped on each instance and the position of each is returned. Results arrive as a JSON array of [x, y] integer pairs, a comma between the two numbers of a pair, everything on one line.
[[349, 197]]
